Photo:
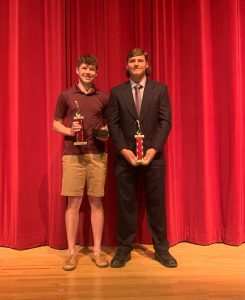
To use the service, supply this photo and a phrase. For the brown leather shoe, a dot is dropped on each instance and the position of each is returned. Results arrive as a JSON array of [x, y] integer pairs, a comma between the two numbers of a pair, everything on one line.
[[100, 260], [70, 263]]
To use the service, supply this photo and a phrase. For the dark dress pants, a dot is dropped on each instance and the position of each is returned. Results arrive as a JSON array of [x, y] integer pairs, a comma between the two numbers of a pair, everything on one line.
[[153, 177]]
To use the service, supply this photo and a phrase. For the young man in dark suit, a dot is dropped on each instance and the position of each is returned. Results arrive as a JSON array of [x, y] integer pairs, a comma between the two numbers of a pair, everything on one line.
[[140, 106]]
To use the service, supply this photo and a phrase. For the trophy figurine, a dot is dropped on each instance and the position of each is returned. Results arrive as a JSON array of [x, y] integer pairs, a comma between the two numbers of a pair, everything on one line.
[[80, 134], [139, 145]]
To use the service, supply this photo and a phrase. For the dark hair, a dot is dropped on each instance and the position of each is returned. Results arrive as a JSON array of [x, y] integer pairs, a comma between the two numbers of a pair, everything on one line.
[[138, 52], [88, 60]]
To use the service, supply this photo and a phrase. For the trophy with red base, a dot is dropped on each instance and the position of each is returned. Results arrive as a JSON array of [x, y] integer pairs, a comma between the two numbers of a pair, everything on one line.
[[80, 134], [139, 145]]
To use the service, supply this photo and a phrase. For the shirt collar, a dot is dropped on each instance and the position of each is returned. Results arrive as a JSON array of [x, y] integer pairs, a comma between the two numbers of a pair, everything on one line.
[[93, 90], [142, 82]]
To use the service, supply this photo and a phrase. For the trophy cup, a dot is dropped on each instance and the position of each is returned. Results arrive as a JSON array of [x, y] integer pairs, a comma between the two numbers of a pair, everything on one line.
[[80, 134], [139, 145]]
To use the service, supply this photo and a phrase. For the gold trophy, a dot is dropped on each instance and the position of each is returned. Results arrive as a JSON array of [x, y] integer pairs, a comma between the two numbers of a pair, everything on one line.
[[80, 134], [139, 145]]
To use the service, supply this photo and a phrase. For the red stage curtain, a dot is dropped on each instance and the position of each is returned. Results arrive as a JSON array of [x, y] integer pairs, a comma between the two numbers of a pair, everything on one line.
[[197, 47]]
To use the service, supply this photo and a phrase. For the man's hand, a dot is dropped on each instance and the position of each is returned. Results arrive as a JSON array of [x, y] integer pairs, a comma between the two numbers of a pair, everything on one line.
[[150, 153], [129, 156], [75, 127]]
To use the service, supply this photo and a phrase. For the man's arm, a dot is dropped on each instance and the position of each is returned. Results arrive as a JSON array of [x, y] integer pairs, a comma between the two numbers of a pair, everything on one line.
[[163, 127], [164, 120], [59, 127], [113, 123], [115, 131]]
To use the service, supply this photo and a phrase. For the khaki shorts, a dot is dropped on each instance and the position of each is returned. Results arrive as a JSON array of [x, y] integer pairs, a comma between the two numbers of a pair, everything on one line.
[[78, 170]]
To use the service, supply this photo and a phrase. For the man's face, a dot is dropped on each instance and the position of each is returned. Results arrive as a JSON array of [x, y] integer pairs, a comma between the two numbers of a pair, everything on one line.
[[86, 73], [137, 66]]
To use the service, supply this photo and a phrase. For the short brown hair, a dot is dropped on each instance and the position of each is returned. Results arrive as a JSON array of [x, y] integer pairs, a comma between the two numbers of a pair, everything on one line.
[[138, 52], [88, 60]]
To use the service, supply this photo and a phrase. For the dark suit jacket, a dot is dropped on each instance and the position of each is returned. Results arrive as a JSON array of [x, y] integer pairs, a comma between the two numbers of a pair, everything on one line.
[[155, 116]]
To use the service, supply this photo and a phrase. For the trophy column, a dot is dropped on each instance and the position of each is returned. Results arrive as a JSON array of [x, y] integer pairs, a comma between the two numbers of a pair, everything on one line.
[[80, 140], [139, 145]]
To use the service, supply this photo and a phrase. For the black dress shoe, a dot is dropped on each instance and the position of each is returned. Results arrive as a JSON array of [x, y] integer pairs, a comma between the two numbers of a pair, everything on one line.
[[120, 259], [166, 259]]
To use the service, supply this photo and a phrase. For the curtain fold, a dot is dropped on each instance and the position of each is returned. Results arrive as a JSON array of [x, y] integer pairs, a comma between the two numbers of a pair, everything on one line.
[[196, 47]]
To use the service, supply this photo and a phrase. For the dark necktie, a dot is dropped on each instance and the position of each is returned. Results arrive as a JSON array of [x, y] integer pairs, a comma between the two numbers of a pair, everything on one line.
[[138, 98]]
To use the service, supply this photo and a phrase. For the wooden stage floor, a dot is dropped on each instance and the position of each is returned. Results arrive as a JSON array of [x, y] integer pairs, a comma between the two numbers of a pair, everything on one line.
[[204, 272]]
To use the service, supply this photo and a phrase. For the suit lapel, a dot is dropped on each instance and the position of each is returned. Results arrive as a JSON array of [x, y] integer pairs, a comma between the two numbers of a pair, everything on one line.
[[147, 97], [129, 99]]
